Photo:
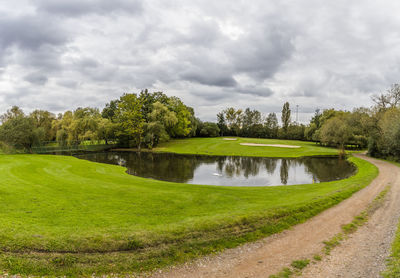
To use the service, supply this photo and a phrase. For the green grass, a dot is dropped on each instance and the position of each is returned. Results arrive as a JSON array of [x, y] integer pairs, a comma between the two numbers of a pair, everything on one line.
[[300, 264], [393, 263], [65, 216], [218, 146], [285, 273], [317, 257]]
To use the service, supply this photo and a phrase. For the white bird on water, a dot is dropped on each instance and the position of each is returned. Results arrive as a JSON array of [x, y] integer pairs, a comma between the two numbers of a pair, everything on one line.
[[217, 174]]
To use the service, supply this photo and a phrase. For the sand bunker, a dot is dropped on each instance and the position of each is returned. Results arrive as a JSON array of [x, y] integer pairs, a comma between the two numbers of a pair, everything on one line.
[[270, 145], [229, 139]]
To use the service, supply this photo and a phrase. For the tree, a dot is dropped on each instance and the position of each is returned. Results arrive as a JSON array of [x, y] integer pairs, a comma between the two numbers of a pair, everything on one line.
[[251, 121], [221, 123], [183, 127], [14, 112], [271, 125], [43, 125], [387, 100], [106, 130], [17, 129], [110, 109], [388, 140], [160, 120], [336, 132], [285, 117], [233, 119], [130, 118], [208, 129]]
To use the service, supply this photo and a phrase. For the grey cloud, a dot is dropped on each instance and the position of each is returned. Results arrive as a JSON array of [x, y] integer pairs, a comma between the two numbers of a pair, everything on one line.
[[82, 7], [207, 78], [87, 63], [30, 32], [261, 52], [36, 78], [72, 84], [256, 91], [212, 54]]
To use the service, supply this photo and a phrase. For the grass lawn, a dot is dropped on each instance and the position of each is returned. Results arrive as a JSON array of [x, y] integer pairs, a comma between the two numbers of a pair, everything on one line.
[[218, 146], [64, 216]]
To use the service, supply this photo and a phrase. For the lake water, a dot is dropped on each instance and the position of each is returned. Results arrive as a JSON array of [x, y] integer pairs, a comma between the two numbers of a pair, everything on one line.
[[227, 170]]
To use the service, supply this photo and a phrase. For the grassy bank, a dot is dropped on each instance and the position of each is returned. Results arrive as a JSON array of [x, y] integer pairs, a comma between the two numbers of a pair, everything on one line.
[[219, 146], [65, 216]]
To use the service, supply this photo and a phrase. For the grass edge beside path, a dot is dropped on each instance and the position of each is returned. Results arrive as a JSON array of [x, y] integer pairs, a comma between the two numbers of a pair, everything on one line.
[[393, 262]]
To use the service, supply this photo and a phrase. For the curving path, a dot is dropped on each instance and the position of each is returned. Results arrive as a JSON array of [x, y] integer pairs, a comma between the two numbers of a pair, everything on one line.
[[363, 255]]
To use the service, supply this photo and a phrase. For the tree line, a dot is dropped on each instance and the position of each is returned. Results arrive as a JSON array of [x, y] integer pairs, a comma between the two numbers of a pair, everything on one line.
[[133, 120], [251, 123], [146, 119], [376, 128]]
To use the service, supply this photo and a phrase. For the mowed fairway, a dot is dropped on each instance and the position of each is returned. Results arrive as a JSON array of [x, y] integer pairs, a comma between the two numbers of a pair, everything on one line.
[[65, 216], [219, 146]]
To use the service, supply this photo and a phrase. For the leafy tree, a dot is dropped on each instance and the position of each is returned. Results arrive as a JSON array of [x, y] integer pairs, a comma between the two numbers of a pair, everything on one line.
[[110, 109], [14, 112], [183, 127], [222, 123], [271, 125], [130, 119], [295, 131], [388, 142], [160, 119], [251, 123], [233, 119], [208, 129], [43, 124], [17, 129], [336, 132], [285, 117], [106, 130]]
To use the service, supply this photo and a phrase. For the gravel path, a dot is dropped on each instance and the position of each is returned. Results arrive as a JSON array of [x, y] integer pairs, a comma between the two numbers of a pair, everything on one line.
[[361, 256], [364, 253]]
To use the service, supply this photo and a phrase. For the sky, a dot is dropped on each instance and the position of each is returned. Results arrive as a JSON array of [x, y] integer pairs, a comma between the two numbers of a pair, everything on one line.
[[64, 54]]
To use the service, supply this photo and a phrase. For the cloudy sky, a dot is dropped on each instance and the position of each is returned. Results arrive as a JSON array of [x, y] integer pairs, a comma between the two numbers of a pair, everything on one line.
[[63, 54]]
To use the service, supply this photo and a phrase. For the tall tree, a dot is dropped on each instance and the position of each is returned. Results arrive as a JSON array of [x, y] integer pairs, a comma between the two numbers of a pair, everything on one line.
[[233, 119], [285, 117], [221, 123]]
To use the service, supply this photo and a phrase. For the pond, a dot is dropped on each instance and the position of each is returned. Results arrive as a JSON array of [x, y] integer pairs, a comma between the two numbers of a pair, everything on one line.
[[227, 170]]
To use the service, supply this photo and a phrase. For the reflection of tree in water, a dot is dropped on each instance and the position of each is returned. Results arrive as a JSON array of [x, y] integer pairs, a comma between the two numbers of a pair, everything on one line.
[[270, 165], [169, 167], [240, 166], [284, 171], [231, 168], [181, 168], [251, 166], [328, 169]]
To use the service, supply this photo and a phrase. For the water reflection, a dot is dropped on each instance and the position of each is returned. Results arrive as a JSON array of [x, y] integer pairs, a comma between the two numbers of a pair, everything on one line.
[[227, 170]]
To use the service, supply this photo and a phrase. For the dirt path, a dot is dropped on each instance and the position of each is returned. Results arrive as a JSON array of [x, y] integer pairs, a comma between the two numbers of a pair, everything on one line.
[[364, 253], [268, 256]]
